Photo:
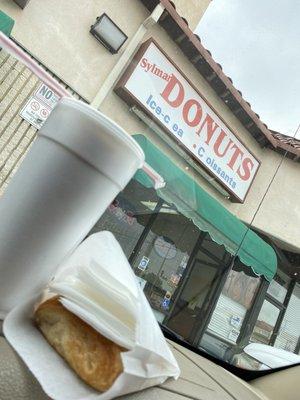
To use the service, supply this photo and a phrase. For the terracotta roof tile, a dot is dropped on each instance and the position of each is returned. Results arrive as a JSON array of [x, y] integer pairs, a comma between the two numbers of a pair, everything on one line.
[[190, 43], [289, 140]]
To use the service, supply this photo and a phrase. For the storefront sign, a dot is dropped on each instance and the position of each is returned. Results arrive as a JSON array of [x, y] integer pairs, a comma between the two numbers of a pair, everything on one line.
[[122, 211], [143, 263], [165, 304], [141, 282], [236, 321], [233, 335], [35, 112], [38, 107], [47, 96], [156, 85]]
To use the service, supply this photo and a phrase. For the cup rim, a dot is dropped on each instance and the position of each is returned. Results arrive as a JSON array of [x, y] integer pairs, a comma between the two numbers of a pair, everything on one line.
[[108, 123]]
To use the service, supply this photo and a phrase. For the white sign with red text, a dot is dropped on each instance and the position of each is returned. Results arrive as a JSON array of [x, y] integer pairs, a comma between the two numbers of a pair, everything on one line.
[[38, 107], [157, 85], [35, 112], [47, 96]]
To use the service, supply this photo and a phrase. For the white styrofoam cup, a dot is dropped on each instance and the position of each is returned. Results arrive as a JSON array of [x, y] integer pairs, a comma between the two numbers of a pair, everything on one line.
[[77, 165]]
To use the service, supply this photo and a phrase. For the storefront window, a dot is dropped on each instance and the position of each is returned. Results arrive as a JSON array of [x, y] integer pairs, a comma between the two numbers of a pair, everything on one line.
[[288, 336], [194, 286], [278, 289], [235, 300], [206, 267], [128, 215], [163, 258], [265, 324]]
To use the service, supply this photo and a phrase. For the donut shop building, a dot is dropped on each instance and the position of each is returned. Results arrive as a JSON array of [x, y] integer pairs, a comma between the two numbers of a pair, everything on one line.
[[184, 221]]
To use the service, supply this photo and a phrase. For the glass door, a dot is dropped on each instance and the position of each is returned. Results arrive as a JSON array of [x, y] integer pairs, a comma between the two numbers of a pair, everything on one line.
[[190, 310], [189, 305], [163, 256]]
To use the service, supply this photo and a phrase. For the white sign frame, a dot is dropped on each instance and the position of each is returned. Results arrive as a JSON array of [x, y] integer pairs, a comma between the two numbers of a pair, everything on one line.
[[38, 107], [153, 83], [33, 111], [46, 95], [143, 264]]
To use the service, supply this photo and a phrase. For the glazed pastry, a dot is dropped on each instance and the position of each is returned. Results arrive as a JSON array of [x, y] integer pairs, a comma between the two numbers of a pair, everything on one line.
[[94, 358]]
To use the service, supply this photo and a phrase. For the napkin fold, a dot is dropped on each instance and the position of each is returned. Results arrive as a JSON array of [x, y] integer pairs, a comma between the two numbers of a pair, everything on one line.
[[98, 285]]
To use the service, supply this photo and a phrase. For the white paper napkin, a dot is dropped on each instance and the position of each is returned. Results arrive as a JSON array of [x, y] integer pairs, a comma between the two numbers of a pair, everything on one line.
[[150, 361]]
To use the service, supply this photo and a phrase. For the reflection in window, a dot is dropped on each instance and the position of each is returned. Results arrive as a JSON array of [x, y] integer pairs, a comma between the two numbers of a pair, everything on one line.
[[128, 215], [166, 250], [236, 298], [278, 290], [188, 280], [265, 323], [289, 332], [188, 311]]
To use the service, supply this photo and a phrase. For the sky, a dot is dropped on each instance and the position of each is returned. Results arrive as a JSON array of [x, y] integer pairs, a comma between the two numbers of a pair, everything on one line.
[[257, 42]]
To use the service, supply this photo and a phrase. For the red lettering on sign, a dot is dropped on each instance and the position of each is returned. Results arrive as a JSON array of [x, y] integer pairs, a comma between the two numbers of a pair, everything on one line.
[[247, 167], [206, 126], [143, 62], [186, 110], [173, 84], [237, 152], [211, 127], [218, 143]]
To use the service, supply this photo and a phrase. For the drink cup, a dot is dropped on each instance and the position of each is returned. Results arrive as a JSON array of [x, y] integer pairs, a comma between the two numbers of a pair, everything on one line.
[[77, 165]]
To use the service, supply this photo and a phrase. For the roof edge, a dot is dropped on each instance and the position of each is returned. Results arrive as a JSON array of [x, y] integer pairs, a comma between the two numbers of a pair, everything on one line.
[[184, 36], [217, 69]]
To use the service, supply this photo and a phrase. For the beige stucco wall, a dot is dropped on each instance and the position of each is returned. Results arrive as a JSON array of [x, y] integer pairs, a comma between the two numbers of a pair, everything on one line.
[[280, 211], [57, 33]]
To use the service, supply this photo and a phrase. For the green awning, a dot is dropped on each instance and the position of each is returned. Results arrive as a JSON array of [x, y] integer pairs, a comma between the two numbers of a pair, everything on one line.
[[207, 213], [6, 23]]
